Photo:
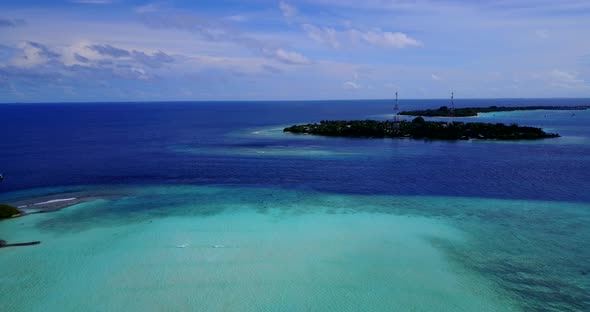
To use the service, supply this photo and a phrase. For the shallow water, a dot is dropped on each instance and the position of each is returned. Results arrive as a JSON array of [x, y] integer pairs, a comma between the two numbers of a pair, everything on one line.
[[272, 249], [321, 254]]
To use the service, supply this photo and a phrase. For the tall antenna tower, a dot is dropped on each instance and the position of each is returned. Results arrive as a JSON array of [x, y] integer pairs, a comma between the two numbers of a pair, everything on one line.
[[396, 112], [452, 104]]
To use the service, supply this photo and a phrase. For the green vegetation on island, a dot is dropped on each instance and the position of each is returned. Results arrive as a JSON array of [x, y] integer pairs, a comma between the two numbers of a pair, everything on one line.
[[7, 211], [444, 111], [421, 129]]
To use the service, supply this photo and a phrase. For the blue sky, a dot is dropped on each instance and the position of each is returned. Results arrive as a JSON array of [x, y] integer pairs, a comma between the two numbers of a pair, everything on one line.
[[131, 50]]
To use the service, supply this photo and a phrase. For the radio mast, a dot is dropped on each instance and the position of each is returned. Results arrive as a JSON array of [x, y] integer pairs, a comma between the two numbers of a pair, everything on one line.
[[396, 110], [395, 113], [452, 104]]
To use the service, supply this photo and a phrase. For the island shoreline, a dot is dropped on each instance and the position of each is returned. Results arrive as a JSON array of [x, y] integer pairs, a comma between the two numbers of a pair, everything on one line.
[[421, 129], [445, 111]]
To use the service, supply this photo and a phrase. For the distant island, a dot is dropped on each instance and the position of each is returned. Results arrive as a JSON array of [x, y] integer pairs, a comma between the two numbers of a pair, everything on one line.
[[421, 129], [444, 111]]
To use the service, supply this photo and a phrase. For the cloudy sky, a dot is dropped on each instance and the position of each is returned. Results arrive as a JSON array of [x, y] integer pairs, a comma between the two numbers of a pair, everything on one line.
[[130, 50]]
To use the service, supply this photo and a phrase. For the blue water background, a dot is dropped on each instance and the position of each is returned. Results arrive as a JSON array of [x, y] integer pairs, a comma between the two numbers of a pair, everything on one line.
[[135, 143]]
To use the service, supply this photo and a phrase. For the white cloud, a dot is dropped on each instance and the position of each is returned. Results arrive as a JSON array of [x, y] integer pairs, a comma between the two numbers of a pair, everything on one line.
[[332, 37], [434, 77], [33, 54], [383, 39], [290, 57], [36, 62], [287, 9], [351, 85], [322, 35], [241, 65], [215, 31], [81, 49], [563, 79]]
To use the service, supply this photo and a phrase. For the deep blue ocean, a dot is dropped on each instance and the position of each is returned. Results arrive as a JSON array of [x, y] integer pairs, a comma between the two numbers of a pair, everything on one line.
[[209, 206], [200, 143]]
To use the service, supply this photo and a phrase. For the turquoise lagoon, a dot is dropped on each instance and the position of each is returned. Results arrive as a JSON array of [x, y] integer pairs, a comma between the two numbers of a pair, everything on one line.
[[262, 249]]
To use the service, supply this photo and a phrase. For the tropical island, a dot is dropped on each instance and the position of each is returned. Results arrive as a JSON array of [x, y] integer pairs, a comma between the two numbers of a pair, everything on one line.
[[421, 129], [445, 111]]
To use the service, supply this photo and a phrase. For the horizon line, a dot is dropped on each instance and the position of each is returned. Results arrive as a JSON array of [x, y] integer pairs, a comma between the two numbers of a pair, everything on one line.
[[284, 100]]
